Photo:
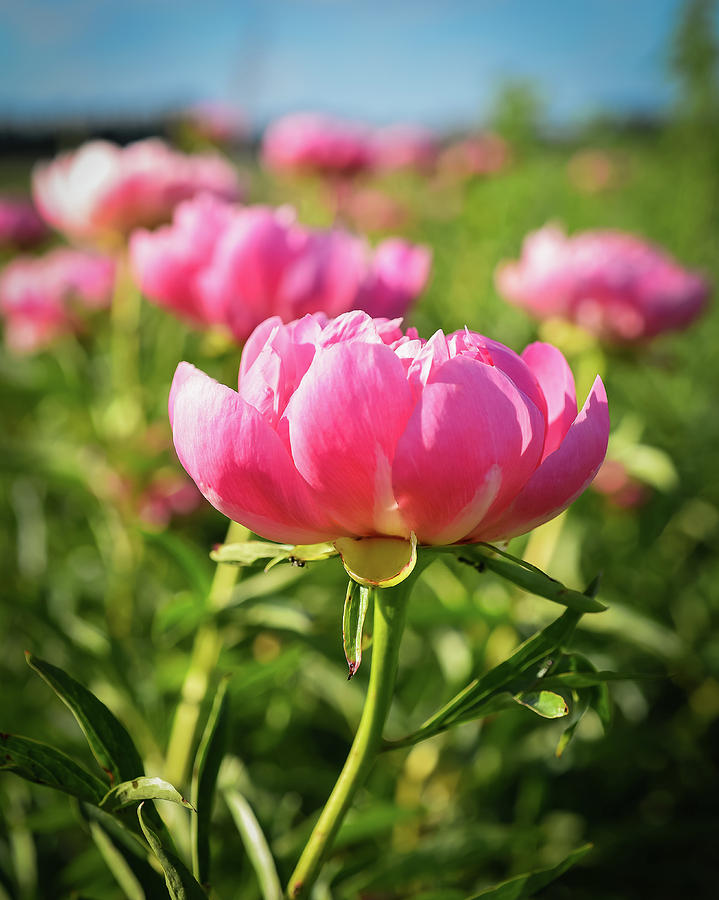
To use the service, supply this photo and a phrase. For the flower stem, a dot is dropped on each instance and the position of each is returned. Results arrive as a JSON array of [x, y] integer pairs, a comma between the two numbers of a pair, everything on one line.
[[390, 607], [205, 655]]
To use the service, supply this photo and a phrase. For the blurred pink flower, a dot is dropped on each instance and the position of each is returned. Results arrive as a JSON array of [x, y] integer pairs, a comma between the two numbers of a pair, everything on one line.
[[619, 487], [102, 189], [592, 171], [615, 285], [348, 427], [371, 209], [20, 225], [315, 143], [220, 264], [40, 296], [216, 121], [169, 494], [478, 154], [404, 147]]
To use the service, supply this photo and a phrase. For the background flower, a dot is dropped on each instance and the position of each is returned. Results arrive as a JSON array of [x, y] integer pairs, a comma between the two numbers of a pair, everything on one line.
[[615, 285], [219, 264]]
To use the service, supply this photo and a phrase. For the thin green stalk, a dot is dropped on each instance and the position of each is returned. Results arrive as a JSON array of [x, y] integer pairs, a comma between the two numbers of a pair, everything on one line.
[[125, 415], [205, 655], [390, 608]]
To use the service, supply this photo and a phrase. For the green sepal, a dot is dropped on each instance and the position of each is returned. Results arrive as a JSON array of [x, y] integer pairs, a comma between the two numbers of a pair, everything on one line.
[[353, 618], [248, 553]]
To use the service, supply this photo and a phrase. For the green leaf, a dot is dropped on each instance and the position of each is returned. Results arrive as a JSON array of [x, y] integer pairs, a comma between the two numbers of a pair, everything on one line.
[[204, 778], [109, 740], [143, 788], [481, 696], [248, 553], [526, 576], [546, 704], [43, 764], [527, 885], [178, 878], [353, 616], [256, 845]]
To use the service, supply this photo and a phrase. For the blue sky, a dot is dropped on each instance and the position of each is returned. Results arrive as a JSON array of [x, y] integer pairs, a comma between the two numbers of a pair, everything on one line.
[[433, 61]]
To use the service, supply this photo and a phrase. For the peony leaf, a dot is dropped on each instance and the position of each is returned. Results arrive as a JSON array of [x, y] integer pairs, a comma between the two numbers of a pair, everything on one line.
[[178, 879], [378, 562], [527, 576], [204, 777], [109, 740], [43, 764], [525, 886], [355, 610], [143, 788]]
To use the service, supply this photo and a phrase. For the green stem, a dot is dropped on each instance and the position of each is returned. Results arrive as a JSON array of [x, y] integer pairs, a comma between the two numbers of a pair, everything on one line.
[[205, 656], [125, 415], [390, 607]]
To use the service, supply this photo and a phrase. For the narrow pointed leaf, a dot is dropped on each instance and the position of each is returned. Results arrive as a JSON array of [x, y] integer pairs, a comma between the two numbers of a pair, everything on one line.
[[43, 764], [204, 778], [525, 886], [546, 704], [487, 693], [109, 740], [353, 618], [256, 845], [178, 878], [143, 788], [526, 576]]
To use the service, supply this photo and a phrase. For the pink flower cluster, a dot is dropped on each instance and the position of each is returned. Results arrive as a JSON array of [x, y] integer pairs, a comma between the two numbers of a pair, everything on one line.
[[41, 296], [102, 189], [350, 427], [613, 284], [221, 264], [20, 225], [404, 147]]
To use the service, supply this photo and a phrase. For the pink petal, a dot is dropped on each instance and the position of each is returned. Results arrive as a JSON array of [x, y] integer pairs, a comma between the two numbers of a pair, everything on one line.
[[473, 440], [239, 463], [343, 422], [555, 378], [562, 476]]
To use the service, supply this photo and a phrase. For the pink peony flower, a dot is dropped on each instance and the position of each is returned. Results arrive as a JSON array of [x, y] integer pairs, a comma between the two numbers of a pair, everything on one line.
[[404, 147], [479, 154], [350, 427], [20, 225], [310, 142], [102, 189], [220, 264], [613, 284], [40, 296]]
